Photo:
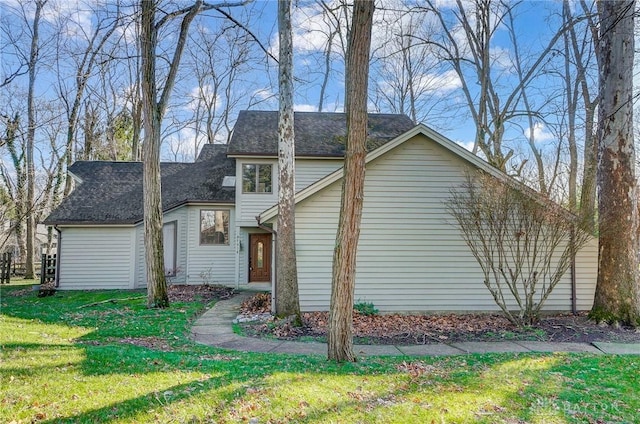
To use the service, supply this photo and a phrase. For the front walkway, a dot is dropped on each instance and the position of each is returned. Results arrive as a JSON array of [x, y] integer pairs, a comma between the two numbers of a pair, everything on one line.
[[214, 328]]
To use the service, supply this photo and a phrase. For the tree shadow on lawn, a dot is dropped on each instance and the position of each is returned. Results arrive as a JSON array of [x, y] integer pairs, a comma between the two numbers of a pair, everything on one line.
[[473, 388], [35, 351], [236, 384], [132, 407]]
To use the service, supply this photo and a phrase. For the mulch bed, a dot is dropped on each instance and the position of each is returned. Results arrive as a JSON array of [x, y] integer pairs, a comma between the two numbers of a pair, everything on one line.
[[204, 292], [435, 328]]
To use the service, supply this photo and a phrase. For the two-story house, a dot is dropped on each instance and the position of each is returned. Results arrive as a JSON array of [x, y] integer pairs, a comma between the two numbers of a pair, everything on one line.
[[220, 218]]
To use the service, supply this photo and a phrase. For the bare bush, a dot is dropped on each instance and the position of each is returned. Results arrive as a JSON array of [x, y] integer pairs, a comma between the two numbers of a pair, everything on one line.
[[523, 242]]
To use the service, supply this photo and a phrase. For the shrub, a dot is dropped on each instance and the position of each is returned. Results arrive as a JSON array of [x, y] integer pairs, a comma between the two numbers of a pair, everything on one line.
[[523, 242], [365, 308]]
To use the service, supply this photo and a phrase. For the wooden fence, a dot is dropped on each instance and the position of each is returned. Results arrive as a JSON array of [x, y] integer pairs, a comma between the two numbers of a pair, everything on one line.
[[48, 269], [5, 268]]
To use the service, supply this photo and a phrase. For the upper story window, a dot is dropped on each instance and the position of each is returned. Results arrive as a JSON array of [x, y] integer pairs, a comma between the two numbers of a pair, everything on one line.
[[256, 178]]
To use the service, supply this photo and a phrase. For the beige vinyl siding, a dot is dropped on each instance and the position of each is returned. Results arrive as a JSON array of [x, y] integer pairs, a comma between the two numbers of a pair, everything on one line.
[[243, 256], [213, 264], [308, 171], [409, 257], [97, 258], [250, 205], [586, 275], [180, 217]]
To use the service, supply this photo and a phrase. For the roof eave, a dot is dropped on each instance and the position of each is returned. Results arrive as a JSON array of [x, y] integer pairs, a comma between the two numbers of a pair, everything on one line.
[[119, 223], [275, 156], [418, 129]]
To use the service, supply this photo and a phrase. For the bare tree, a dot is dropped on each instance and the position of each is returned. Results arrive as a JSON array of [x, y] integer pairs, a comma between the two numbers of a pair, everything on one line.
[[583, 52], [466, 42], [220, 60], [14, 184], [153, 110], [522, 241], [287, 300], [84, 67], [154, 107], [340, 337], [31, 134], [409, 78], [617, 297], [336, 18]]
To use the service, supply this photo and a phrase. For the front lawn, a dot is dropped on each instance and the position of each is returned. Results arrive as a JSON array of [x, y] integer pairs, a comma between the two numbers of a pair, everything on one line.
[[64, 361]]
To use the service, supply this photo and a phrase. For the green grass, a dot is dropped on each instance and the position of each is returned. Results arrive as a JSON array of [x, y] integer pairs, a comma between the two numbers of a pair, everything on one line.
[[62, 361]]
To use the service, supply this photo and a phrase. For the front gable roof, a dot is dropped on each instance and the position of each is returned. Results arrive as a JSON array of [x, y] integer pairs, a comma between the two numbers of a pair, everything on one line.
[[438, 138], [111, 192], [317, 134]]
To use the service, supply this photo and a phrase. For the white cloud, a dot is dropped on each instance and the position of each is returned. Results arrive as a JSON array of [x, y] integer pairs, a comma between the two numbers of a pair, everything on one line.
[[540, 133], [264, 94], [433, 84], [202, 95], [75, 16], [466, 144], [439, 83], [501, 58], [183, 146], [311, 26], [305, 108]]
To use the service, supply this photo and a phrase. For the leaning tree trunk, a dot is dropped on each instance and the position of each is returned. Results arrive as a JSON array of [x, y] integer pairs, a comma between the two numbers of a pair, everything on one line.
[[157, 296], [340, 338], [617, 297], [287, 302], [30, 208]]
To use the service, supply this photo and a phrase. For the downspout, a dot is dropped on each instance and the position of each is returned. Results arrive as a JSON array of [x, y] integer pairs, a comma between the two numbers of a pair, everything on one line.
[[275, 263], [238, 242], [574, 290], [58, 258]]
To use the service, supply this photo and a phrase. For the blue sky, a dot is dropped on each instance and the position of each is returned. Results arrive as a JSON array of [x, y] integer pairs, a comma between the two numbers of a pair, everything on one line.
[[535, 23]]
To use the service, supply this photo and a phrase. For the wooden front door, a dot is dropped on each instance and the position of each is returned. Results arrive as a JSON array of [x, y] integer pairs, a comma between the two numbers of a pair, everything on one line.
[[259, 257]]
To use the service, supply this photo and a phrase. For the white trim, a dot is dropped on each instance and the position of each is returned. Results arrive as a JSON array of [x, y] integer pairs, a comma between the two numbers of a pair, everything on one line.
[[275, 156], [254, 157], [75, 177], [94, 225], [417, 130]]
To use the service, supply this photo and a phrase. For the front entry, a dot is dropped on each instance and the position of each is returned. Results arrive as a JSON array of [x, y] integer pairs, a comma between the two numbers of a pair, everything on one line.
[[259, 258]]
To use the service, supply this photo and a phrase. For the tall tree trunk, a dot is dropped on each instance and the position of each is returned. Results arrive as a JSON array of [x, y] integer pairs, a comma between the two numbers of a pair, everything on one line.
[[19, 193], [589, 171], [31, 135], [287, 302], [340, 338], [136, 116], [157, 296], [617, 297], [153, 110], [571, 103], [590, 154]]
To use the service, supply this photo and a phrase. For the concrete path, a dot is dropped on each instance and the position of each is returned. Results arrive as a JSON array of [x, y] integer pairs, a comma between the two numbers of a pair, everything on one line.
[[214, 328]]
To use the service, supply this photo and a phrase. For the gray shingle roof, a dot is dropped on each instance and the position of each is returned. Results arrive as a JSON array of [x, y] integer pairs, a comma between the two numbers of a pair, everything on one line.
[[318, 134], [111, 192]]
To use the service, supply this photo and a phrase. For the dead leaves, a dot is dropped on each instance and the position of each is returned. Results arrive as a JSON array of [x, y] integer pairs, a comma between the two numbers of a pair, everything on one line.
[[412, 329], [435, 328], [204, 292], [155, 343], [258, 304]]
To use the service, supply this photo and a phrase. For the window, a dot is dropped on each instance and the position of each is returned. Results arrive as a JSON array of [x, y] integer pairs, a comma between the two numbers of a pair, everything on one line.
[[256, 178], [169, 236], [214, 226]]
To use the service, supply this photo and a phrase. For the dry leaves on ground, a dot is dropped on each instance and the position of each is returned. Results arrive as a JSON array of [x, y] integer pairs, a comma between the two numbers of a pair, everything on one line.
[[204, 292], [435, 328]]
